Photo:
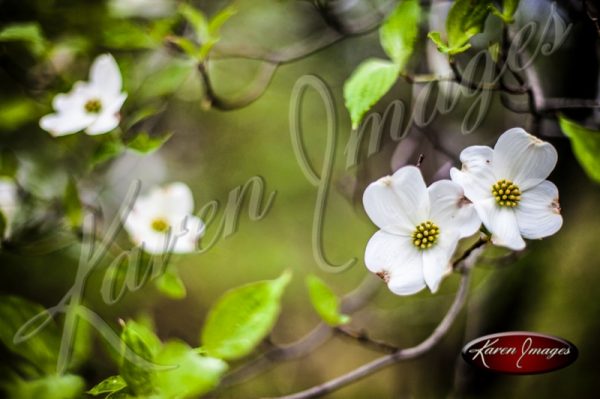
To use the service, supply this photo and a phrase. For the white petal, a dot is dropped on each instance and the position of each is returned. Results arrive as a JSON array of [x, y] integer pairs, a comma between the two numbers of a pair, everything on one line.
[[450, 210], [387, 251], [385, 209], [502, 223], [177, 199], [8, 200], [187, 233], [411, 190], [538, 212], [408, 280], [104, 123], [523, 158], [75, 99], [105, 75], [65, 123], [436, 260], [476, 176]]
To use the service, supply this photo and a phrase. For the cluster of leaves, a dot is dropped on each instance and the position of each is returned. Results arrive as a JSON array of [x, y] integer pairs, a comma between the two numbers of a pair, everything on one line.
[[398, 35], [237, 323], [31, 372], [148, 368]]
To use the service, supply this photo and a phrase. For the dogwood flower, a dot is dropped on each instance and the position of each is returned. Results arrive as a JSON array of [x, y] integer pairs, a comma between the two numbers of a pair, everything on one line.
[[162, 221], [93, 106], [420, 228], [8, 202], [508, 187]]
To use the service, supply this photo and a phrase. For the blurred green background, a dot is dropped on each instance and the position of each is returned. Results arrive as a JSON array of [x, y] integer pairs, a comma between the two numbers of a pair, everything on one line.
[[551, 288]]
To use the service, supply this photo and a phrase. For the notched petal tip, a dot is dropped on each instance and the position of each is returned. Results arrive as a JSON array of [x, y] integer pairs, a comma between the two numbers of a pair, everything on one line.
[[555, 206], [384, 275], [386, 181]]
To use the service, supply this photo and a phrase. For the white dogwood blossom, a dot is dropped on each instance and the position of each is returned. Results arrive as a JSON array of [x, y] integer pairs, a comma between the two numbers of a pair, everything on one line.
[[419, 229], [162, 221], [8, 202], [93, 106], [509, 190]]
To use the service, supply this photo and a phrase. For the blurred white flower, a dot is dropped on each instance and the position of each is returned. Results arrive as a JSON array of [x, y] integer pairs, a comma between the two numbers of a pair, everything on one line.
[[509, 189], [420, 228], [93, 106], [162, 221], [142, 8], [8, 202]]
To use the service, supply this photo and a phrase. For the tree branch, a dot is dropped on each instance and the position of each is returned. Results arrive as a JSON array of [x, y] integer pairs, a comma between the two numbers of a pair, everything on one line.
[[399, 355]]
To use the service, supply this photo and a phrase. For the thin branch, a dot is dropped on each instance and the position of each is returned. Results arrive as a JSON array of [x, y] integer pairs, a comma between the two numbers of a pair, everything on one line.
[[309, 342], [363, 338], [399, 355]]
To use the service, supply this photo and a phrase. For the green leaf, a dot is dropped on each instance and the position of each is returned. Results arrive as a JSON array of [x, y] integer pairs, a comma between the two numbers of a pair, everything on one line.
[[126, 35], [367, 84], [197, 20], [509, 7], [41, 348], [193, 374], [188, 46], [109, 385], [8, 163], [50, 387], [139, 377], [586, 146], [466, 18], [325, 302], [145, 144], [30, 33], [166, 80], [16, 112], [170, 284], [106, 151], [242, 318], [400, 30], [72, 204]]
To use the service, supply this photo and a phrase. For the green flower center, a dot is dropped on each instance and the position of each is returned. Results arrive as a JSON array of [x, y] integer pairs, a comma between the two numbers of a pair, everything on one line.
[[425, 235], [160, 225], [506, 193], [93, 106]]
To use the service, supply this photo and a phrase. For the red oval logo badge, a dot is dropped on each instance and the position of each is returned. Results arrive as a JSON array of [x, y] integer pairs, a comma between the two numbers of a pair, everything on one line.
[[519, 352]]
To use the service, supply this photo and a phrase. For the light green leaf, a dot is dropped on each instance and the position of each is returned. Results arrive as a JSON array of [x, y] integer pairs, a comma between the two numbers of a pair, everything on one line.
[[166, 80], [188, 46], [30, 33], [436, 38], [367, 84], [197, 20], [145, 144], [15, 112], [170, 284], [50, 387], [72, 204], [139, 377], [109, 385], [466, 18], [126, 35], [41, 348], [586, 146], [217, 21], [509, 7], [325, 302], [399, 32], [242, 318], [193, 374]]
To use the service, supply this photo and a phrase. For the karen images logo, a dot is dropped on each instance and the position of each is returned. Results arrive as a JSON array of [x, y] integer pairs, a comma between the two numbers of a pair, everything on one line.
[[519, 353]]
